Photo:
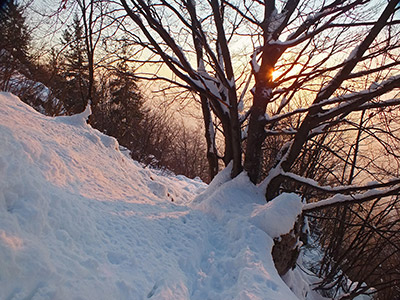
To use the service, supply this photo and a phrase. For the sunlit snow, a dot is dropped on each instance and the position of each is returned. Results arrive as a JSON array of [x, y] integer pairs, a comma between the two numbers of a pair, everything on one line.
[[80, 220]]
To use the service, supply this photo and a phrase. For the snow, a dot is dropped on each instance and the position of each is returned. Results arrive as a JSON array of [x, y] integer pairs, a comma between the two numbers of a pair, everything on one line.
[[79, 220], [276, 20], [301, 285], [78, 119], [266, 93], [352, 54], [340, 198], [254, 63], [277, 217]]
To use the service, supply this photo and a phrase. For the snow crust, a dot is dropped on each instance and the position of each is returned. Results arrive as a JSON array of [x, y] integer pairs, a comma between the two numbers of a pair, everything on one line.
[[79, 220]]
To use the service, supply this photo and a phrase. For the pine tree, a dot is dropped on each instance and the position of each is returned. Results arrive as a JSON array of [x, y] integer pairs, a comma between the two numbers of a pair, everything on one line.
[[14, 34], [125, 107], [14, 42], [74, 68]]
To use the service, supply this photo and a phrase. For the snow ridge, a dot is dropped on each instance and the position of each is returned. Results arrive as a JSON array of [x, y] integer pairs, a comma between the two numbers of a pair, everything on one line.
[[79, 220]]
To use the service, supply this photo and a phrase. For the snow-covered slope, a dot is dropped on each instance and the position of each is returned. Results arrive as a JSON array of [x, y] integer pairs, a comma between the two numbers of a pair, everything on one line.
[[79, 220]]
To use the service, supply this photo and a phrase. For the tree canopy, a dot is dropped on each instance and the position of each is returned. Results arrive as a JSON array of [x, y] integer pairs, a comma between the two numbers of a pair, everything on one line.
[[305, 95], [314, 66]]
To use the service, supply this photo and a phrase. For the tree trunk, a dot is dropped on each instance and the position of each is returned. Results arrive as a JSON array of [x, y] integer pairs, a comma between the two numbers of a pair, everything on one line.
[[236, 139], [226, 127], [286, 251], [256, 133], [293, 152], [262, 96], [212, 155]]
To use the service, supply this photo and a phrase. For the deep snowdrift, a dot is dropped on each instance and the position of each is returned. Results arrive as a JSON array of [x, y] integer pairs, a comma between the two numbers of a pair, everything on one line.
[[79, 220]]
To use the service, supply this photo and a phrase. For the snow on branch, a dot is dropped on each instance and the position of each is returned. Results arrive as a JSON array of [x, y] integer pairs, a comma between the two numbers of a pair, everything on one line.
[[341, 199], [254, 63], [303, 33], [386, 103], [340, 189], [357, 54], [342, 195], [296, 41], [355, 101]]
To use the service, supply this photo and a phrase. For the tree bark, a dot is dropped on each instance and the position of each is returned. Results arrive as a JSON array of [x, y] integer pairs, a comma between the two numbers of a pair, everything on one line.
[[212, 155], [261, 97], [234, 126], [256, 134], [286, 251]]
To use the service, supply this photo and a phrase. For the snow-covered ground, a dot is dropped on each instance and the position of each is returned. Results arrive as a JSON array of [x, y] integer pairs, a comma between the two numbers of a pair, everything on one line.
[[80, 220]]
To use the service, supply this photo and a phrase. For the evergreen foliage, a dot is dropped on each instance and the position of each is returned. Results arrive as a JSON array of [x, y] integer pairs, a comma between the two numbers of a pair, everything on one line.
[[121, 111], [14, 34], [14, 43], [73, 71]]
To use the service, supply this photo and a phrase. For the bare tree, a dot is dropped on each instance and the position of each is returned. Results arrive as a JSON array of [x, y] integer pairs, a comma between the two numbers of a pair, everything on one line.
[[315, 67], [321, 51]]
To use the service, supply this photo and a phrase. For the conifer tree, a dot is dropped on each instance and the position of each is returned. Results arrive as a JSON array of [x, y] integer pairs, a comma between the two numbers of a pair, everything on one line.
[[14, 33], [73, 69], [14, 42], [121, 112]]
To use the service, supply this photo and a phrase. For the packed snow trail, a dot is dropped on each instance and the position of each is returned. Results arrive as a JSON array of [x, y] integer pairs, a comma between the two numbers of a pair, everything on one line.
[[80, 220]]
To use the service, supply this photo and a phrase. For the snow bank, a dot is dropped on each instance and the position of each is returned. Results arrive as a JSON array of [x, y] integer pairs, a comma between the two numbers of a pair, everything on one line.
[[250, 224], [79, 220]]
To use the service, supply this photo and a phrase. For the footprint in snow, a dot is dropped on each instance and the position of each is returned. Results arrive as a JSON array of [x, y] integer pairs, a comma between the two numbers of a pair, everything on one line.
[[116, 258]]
